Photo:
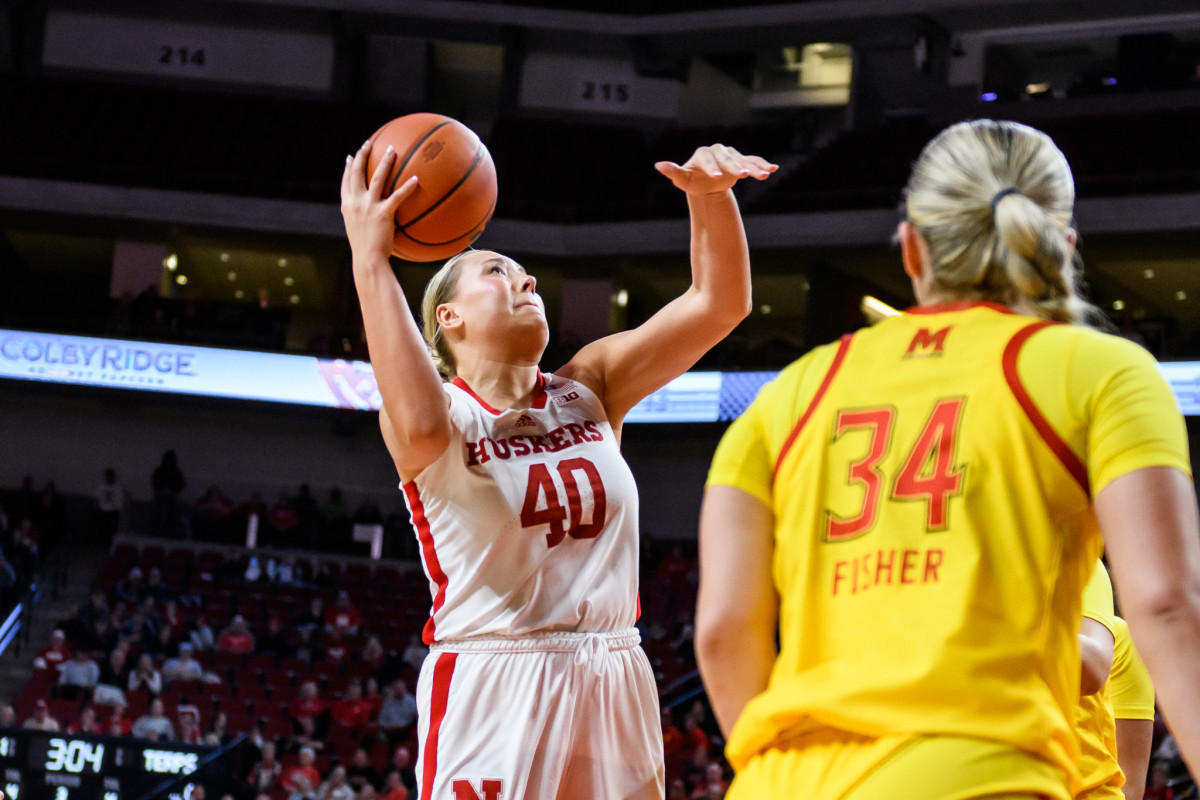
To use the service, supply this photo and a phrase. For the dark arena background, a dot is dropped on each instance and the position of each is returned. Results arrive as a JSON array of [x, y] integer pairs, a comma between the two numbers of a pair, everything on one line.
[[176, 306]]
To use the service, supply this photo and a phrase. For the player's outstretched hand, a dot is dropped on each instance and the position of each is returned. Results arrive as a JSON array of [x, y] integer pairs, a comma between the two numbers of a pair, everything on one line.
[[715, 168], [369, 214]]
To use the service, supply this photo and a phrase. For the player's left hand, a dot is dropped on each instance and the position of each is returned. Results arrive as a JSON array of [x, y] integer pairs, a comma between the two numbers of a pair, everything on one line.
[[715, 168]]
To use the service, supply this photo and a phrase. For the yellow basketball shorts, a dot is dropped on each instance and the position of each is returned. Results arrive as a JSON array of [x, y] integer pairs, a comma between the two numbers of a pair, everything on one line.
[[835, 765]]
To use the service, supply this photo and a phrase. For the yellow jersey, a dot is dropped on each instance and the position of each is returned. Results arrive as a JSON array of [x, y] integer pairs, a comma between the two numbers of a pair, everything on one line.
[[931, 481], [1094, 722], [1130, 687]]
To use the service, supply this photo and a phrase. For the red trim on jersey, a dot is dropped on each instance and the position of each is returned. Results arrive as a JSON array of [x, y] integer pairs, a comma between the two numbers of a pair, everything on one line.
[[838, 358], [958, 305], [538, 401], [1060, 448], [428, 554], [443, 672]]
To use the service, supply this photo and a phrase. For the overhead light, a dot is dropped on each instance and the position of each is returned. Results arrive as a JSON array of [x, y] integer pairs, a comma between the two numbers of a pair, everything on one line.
[[1118, 305], [1037, 88], [181, 280], [988, 97], [875, 309], [171, 262], [1109, 81], [622, 298], [764, 308], [224, 258], [1181, 295], [288, 280], [283, 262], [1147, 273], [239, 294], [232, 275], [821, 47], [294, 299]]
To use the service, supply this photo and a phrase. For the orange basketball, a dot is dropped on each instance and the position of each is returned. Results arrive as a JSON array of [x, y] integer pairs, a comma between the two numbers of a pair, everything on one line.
[[456, 184]]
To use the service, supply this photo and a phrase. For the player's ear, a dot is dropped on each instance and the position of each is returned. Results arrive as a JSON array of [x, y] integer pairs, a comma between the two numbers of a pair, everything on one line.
[[913, 250], [448, 317]]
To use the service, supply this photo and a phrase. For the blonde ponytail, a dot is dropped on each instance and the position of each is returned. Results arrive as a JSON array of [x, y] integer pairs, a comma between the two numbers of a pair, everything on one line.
[[993, 201]]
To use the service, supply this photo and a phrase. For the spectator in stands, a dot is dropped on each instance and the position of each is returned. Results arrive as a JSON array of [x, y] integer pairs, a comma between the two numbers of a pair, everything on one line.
[[360, 773], [94, 609], [183, 667], [55, 654], [303, 779], [673, 739], [306, 647], [336, 787], [200, 635], [188, 730], [114, 678], [713, 785], [110, 502], [274, 641], [305, 736], [236, 638], [335, 647], [132, 588], [283, 523], [308, 702], [694, 737], [220, 729], [78, 674], [402, 764], [172, 620], [393, 787], [8, 716], [372, 696], [118, 723], [343, 616], [213, 517], [153, 723], [415, 653], [677, 790], [313, 616], [373, 653], [335, 512], [87, 722], [167, 482], [140, 630], [265, 772], [160, 591], [41, 720], [367, 793], [146, 677], [352, 710], [398, 712], [50, 519]]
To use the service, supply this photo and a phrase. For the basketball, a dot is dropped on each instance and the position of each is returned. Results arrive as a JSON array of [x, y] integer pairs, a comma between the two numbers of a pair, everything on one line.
[[456, 184]]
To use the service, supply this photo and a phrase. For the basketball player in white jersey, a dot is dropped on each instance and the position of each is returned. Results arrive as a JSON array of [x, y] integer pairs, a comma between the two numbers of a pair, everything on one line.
[[525, 510]]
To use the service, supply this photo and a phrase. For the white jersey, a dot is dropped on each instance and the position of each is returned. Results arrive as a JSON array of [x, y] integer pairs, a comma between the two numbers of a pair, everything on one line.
[[528, 521]]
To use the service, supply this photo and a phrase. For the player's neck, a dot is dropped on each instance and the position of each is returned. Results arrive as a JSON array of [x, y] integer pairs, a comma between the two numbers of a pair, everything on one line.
[[501, 385]]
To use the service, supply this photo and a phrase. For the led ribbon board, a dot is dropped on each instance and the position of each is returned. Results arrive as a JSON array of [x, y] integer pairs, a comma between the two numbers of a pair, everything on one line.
[[339, 383]]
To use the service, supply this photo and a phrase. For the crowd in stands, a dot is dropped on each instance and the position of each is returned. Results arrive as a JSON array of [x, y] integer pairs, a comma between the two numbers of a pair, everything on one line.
[[312, 658]]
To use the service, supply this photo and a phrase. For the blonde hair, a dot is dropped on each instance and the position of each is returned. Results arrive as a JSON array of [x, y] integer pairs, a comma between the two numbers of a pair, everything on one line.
[[441, 289], [993, 201]]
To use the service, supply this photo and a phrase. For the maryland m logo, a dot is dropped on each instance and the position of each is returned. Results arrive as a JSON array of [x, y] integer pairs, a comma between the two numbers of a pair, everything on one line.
[[926, 344]]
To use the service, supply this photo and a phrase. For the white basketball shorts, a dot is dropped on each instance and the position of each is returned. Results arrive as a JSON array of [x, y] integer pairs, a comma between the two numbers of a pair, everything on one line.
[[562, 716]]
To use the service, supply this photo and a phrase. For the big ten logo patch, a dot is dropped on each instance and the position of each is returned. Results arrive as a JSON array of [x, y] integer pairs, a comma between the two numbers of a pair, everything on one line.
[[926, 344], [563, 399], [489, 789]]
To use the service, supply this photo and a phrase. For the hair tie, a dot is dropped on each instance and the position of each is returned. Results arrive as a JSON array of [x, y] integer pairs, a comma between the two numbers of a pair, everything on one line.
[[1000, 195]]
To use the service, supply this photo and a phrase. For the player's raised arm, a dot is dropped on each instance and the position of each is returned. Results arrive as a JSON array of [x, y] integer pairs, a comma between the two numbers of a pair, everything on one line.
[[628, 366], [414, 417]]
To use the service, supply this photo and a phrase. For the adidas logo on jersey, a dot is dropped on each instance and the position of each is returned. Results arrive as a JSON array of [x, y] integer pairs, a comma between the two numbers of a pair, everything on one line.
[[525, 421]]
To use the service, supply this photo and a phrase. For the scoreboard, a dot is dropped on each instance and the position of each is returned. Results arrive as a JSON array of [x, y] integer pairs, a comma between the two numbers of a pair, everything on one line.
[[37, 765]]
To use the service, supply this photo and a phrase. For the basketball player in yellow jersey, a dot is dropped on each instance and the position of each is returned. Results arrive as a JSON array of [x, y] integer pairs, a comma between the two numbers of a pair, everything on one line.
[[1132, 695], [1100, 775], [917, 508]]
